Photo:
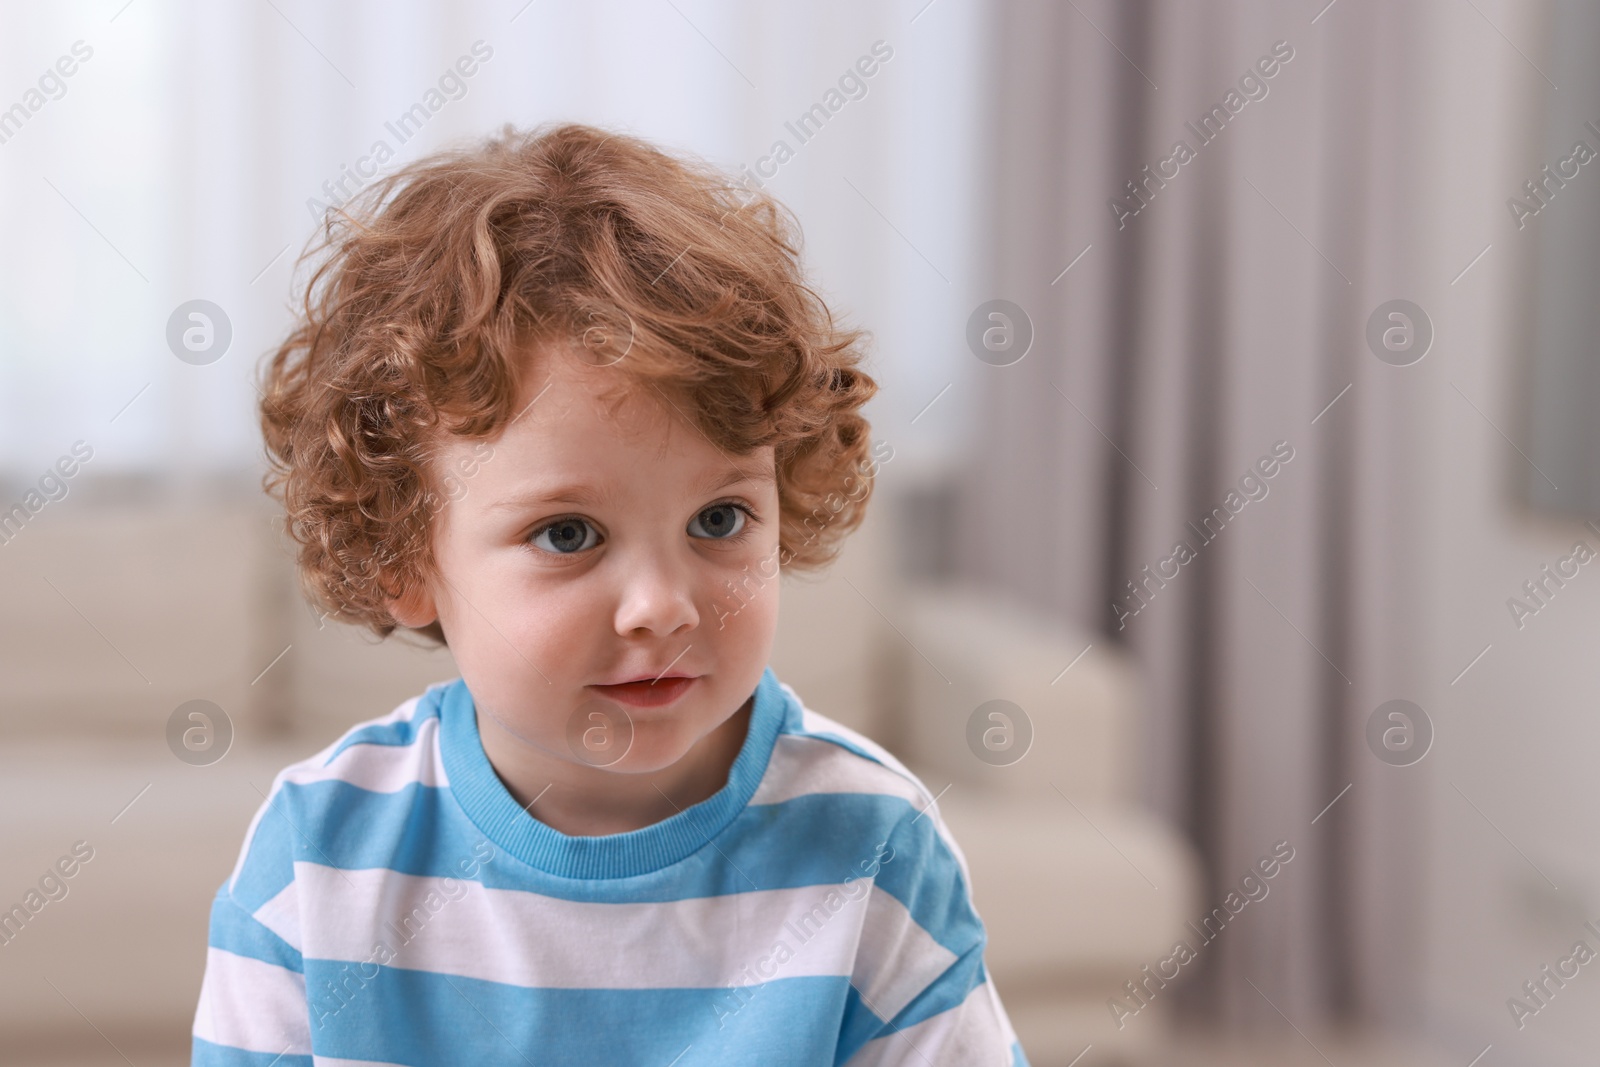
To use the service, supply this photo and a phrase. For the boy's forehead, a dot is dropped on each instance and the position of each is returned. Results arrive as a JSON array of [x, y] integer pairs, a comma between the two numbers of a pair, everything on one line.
[[578, 424], [569, 398]]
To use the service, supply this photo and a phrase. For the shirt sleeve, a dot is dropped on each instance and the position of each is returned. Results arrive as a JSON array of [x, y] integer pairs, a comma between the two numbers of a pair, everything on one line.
[[920, 991], [252, 1008]]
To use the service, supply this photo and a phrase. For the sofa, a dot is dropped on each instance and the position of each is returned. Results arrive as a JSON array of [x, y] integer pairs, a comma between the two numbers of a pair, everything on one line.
[[132, 598]]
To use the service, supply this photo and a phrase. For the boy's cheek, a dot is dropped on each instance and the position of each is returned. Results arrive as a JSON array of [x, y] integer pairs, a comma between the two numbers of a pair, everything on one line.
[[492, 643], [745, 601]]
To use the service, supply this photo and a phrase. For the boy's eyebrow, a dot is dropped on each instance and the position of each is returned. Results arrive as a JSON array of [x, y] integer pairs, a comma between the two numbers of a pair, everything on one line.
[[734, 476], [581, 495], [586, 496]]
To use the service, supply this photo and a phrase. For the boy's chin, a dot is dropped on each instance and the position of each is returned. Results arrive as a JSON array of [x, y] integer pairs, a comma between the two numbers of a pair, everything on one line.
[[656, 747]]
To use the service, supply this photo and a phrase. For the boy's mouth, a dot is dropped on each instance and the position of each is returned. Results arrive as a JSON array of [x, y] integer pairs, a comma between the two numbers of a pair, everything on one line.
[[647, 693]]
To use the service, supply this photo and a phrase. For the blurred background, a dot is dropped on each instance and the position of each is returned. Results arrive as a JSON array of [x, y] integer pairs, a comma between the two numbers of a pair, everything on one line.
[[1237, 362]]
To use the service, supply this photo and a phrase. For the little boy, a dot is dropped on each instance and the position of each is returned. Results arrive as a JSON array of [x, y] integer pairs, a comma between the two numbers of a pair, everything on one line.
[[564, 403]]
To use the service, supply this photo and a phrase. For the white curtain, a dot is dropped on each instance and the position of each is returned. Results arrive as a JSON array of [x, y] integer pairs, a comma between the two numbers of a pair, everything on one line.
[[177, 161]]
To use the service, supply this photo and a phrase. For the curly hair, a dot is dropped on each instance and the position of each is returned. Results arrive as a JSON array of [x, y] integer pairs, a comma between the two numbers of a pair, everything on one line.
[[443, 279]]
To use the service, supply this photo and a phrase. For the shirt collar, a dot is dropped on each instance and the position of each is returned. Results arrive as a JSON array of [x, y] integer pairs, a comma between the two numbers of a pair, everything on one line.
[[495, 812]]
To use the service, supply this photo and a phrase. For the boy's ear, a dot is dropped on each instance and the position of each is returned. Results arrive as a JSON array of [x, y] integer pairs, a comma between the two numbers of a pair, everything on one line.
[[415, 608]]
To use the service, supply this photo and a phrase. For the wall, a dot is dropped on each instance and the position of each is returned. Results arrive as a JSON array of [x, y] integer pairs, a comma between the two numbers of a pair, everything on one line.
[[1512, 869]]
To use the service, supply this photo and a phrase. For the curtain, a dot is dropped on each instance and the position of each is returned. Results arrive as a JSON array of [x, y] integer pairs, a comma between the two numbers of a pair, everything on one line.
[[193, 147], [1200, 377]]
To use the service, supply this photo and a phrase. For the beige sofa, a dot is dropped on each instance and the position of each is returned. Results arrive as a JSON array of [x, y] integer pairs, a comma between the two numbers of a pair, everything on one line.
[[127, 601], [1077, 886]]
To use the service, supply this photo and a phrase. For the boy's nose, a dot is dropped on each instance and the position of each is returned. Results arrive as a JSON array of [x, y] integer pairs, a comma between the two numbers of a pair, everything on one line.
[[658, 598]]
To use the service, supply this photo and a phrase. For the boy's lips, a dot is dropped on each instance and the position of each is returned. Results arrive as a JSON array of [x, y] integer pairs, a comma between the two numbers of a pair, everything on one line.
[[647, 693]]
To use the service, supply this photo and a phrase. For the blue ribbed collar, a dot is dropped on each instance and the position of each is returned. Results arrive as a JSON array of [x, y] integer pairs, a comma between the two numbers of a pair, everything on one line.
[[493, 809]]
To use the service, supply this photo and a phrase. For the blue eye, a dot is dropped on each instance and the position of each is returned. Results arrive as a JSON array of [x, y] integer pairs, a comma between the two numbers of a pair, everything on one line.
[[719, 522], [566, 536]]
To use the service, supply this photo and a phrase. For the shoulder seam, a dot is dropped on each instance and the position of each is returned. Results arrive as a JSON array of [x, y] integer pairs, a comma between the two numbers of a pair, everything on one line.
[[846, 739], [851, 741], [327, 755]]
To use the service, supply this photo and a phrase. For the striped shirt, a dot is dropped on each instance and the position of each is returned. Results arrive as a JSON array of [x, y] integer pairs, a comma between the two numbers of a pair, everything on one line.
[[394, 904]]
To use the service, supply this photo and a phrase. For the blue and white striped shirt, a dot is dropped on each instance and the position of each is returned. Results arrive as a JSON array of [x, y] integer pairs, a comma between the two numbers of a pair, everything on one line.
[[394, 904]]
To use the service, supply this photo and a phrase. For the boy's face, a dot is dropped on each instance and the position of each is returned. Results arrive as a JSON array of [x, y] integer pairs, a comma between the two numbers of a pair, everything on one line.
[[596, 547]]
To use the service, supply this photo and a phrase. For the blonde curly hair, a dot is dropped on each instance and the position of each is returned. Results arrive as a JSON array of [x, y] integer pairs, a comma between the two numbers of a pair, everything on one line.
[[444, 278]]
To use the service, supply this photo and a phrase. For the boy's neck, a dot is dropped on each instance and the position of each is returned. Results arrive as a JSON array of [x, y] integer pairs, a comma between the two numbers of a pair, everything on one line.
[[583, 801]]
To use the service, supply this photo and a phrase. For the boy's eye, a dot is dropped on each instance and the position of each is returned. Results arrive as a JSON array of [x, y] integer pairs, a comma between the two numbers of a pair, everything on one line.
[[718, 521], [565, 536]]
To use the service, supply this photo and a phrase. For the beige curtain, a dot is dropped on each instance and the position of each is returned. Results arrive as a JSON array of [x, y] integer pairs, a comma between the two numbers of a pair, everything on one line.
[[1195, 346]]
